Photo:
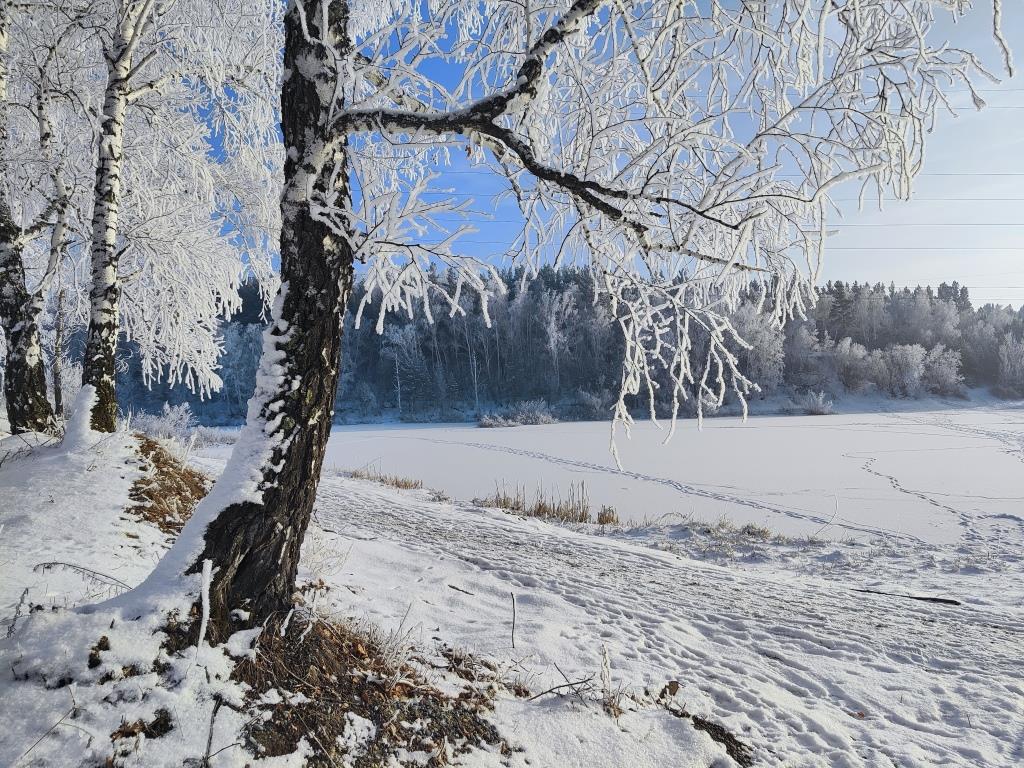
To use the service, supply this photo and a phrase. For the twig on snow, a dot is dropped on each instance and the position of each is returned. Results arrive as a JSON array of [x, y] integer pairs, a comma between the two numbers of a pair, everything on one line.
[[209, 736], [89, 572], [513, 619], [17, 613], [574, 684]]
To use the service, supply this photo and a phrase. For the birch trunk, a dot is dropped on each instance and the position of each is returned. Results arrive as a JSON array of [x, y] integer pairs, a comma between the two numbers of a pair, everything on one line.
[[25, 378], [57, 366], [105, 293], [254, 545]]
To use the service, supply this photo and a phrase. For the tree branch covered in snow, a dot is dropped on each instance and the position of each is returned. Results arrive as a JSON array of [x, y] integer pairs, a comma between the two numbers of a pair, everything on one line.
[[678, 150]]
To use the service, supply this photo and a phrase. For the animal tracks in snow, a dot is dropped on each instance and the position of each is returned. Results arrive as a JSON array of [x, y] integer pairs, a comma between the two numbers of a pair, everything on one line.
[[785, 661]]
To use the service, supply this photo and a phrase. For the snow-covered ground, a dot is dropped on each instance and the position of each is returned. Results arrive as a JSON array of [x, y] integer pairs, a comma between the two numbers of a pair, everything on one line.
[[807, 671], [936, 477], [926, 500], [767, 636], [62, 516]]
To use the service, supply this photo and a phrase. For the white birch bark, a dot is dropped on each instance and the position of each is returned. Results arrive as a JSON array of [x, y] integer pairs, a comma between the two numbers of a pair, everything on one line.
[[105, 293]]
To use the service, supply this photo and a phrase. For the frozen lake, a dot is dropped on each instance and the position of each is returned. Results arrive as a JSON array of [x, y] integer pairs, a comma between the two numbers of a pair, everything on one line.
[[933, 476]]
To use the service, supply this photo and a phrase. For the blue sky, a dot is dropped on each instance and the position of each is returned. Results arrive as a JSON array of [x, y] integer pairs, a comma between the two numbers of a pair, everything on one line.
[[966, 220]]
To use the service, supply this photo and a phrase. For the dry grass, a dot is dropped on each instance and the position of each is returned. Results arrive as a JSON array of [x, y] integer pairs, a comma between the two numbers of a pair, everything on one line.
[[574, 508], [607, 516], [395, 481], [336, 673], [168, 491], [754, 531]]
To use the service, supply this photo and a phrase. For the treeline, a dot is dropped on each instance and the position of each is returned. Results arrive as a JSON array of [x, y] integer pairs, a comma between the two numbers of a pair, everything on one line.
[[549, 341]]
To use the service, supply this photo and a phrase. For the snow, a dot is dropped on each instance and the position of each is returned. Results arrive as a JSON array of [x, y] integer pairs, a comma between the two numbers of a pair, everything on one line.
[[358, 733], [803, 669], [957, 470], [765, 636], [64, 503], [581, 737]]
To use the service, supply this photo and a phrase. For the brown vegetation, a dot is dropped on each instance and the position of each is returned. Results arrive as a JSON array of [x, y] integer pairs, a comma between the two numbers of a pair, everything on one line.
[[168, 491], [395, 481], [574, 508], [337, 675]]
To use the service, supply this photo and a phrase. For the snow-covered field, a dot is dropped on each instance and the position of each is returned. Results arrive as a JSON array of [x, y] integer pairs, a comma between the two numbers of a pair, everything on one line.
[[933, 476], [770, 637], [805, 670]]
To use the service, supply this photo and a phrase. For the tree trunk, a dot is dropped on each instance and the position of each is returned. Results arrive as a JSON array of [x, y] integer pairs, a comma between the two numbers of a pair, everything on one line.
[[25, 378], [254, 544], [105, 294], [28, 410], [57, 368]]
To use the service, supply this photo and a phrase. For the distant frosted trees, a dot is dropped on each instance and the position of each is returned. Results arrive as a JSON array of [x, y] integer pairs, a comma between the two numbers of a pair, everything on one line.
[[941, 374], [763, 356], [456, 367], [1011, 366]]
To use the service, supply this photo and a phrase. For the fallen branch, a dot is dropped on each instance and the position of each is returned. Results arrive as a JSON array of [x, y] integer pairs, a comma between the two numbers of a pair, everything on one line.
[[941, 600], [88, 572], [17, 613], [209, 736], [570, 684], [513, 619]]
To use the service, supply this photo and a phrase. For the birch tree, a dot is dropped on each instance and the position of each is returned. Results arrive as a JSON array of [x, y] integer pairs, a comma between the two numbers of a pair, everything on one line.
[[680, 150], [167, 62], [196, 176], [36, 187]]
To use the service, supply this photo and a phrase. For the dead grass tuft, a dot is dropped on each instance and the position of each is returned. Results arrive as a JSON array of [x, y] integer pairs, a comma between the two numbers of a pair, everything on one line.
[[159, 726], [607, 516], [574, 508], [754, 531], [168, 491], [353, 702], [395, 481], [103, 644]]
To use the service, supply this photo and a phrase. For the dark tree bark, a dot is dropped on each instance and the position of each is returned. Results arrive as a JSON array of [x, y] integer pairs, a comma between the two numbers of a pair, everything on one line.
[[57, 366], [254, 547], [24, 378], [28, 410]]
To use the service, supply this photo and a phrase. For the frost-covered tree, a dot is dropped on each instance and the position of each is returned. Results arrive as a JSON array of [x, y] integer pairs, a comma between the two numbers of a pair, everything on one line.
[[183, 81], [678, 149], [762, 356], [1011, 366], [24, 217], [905, 365], [182, 183], [941, 374]]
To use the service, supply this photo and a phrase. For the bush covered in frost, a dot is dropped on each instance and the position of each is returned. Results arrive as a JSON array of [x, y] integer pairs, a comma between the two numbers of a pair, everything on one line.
[[814, 404], [519, 414]]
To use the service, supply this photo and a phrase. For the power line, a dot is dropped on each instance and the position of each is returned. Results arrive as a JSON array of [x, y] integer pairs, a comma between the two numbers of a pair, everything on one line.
[[969, 248], [868, 198], [930, 224], [494, 174]]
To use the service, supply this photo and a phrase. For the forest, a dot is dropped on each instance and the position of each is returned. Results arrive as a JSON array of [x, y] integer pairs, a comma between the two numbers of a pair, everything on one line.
[[551, 347]]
